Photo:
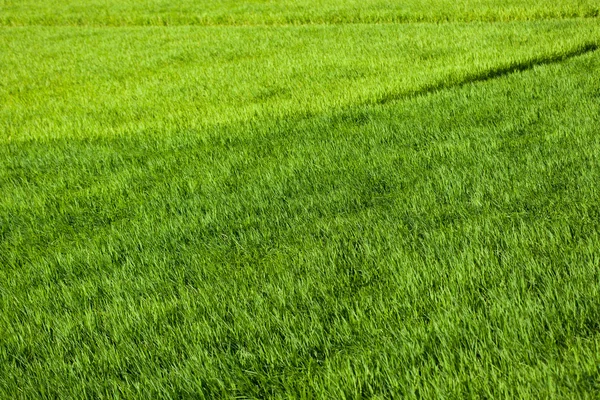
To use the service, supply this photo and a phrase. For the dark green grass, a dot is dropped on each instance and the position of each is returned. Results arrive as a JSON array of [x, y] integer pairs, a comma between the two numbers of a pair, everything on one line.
[[441, 246]]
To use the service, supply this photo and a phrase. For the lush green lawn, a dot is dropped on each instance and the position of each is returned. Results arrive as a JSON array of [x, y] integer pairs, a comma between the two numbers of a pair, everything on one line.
[[261, 12], [335, 211], [90, 82]]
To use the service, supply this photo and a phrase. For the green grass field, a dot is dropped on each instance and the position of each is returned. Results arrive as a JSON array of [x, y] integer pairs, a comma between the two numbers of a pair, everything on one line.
[[269, 12], [299, 200]]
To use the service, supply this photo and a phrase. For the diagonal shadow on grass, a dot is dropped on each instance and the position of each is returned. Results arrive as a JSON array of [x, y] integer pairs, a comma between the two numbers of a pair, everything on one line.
[[493, 73]]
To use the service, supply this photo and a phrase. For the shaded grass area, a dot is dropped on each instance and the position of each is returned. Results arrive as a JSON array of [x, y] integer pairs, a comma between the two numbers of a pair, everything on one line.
[[440, 246], [91, 82], [233, 12]]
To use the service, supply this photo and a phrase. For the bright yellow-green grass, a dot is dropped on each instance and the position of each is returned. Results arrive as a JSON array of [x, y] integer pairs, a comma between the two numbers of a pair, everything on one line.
[[89, 82], [260, 12]]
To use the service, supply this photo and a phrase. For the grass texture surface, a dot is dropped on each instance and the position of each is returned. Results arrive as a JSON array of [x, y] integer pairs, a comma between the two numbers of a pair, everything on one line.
[[80, 82], [266, 12], [314, 211]]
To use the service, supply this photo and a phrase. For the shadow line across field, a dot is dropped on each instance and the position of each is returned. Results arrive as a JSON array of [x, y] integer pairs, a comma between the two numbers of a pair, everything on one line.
[[493, 73]]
